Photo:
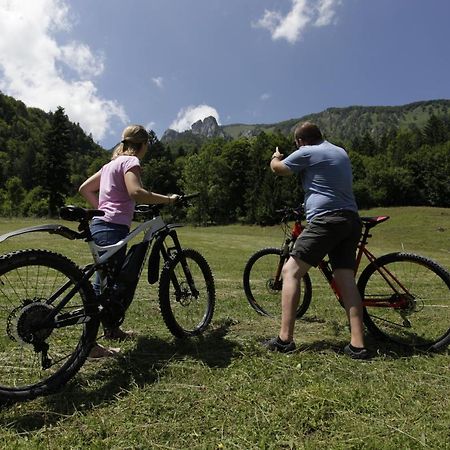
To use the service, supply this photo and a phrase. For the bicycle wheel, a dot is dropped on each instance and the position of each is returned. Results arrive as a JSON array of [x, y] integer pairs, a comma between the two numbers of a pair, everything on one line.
[[263, 294], [187, 294], [36, 361], [411, 305]]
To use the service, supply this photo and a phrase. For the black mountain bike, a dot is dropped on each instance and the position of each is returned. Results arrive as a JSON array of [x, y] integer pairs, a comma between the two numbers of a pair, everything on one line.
[[50, 315]]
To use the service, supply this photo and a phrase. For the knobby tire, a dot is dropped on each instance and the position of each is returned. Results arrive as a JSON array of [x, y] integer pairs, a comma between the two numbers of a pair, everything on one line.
[[187, 313], [258, 278], [424, 319], [27, 279]]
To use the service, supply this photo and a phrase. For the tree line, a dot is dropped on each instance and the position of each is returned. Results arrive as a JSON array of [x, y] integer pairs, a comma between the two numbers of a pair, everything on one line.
[[401, 168], [44, 158]]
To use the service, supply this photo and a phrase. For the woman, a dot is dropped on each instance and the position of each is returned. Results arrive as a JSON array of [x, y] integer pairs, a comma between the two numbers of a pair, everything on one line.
[[115, 189]]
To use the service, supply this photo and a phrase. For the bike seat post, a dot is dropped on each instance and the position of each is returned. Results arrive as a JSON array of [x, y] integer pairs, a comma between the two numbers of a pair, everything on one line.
[[365, 236], [85, 229]]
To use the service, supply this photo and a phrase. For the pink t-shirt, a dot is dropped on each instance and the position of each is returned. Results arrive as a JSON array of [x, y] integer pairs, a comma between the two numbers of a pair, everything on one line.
[[113, 195]]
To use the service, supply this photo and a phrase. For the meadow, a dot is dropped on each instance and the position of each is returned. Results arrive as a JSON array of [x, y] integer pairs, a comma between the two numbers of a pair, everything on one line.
[[223, 390]]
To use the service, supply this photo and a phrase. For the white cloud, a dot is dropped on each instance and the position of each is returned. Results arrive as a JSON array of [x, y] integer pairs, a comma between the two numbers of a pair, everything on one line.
[[159, 81], [187, 116], [264, 97], [78, 56], [304, 13], [32, 63], [150, 125]]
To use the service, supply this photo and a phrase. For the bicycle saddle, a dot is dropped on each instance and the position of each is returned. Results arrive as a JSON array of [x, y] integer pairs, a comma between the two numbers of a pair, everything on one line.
[[78, 214], [372, 221]]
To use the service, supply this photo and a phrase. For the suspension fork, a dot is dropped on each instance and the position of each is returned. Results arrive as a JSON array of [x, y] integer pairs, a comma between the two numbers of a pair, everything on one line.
[[169, 254], [283, 258]]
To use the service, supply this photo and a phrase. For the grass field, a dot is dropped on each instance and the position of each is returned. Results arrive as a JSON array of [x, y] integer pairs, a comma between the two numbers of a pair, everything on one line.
[[223, 390]]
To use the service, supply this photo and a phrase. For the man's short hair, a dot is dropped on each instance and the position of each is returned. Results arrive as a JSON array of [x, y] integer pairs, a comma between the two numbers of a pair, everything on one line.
[[308, 132]]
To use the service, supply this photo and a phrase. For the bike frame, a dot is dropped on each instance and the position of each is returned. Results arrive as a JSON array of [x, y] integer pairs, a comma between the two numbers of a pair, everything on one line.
[[325, 269], [151, 228]]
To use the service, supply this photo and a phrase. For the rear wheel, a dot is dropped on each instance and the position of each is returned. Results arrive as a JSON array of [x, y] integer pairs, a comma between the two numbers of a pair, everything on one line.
[[35, 360], [407, 300], [187, 294], [262, 290]]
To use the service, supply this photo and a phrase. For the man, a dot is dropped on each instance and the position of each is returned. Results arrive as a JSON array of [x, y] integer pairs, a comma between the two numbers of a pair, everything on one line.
[[334, 228]]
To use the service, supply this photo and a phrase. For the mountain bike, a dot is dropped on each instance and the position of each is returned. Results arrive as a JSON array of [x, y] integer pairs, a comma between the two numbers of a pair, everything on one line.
[[406, 297], [50, 314]]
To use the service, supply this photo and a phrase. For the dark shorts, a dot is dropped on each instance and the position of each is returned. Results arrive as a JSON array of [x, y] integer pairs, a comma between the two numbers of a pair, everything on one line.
[[335, 234]]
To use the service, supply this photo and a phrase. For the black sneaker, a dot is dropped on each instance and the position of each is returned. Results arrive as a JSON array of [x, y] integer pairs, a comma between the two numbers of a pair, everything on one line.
[[277, 345], [356, 353]]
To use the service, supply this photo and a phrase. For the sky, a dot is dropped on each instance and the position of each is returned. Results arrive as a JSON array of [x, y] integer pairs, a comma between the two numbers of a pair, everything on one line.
[[168, 63]]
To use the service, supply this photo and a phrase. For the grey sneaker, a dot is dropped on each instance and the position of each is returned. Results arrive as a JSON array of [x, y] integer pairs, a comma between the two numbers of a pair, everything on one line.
[[356, 353], [277, 345]]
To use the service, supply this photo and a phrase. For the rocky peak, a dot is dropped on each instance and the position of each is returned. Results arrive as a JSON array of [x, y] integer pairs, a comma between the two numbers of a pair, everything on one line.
[[207, 127]]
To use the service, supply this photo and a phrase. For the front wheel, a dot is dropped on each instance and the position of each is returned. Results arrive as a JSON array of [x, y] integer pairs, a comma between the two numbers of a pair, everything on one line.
[[407, 300], [38, 359], [262, 285], [187, 294]]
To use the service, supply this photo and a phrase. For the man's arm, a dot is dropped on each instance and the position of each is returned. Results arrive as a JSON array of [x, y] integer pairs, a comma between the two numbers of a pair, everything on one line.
[[277, 165]]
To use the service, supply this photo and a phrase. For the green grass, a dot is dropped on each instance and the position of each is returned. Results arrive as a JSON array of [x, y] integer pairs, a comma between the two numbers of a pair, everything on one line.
[[223, 390]]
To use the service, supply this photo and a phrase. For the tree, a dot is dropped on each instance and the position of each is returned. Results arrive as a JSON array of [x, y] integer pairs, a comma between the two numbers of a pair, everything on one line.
[[267, 192], [435, 131], [206, 173], [55, 170], [12, 197]]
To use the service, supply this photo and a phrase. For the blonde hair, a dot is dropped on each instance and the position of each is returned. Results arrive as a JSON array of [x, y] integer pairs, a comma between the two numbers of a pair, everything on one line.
[[133, 136]]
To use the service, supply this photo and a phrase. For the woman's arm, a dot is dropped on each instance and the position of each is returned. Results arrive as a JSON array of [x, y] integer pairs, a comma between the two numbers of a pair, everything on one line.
[[139, 194], [89, 189]]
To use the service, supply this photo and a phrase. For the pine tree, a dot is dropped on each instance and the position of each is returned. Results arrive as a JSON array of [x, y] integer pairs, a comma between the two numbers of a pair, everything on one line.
[[435, 131], [55, 170]]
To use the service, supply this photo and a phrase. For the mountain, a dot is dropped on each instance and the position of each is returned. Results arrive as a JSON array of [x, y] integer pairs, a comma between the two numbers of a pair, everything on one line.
[[206, 128], [336, 123]]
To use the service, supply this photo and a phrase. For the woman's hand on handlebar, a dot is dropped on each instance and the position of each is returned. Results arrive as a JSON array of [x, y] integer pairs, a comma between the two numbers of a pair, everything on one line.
[[173, 198]]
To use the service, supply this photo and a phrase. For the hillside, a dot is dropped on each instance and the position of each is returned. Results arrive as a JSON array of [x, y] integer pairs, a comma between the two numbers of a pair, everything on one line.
[[26, 165], [343, 123]]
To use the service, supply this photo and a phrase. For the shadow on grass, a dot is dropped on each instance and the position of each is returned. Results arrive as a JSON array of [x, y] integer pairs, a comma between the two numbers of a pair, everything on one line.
[[379, 348], [142, 365]]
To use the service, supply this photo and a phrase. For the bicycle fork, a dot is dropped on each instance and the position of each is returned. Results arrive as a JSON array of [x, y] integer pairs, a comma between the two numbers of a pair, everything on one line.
[[170, 254]]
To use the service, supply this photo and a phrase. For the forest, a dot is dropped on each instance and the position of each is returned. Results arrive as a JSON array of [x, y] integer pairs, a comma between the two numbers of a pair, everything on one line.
[[44, 158]]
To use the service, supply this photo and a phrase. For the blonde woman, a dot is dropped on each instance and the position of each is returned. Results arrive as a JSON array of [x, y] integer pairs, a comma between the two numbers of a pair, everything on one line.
[[115, 189]]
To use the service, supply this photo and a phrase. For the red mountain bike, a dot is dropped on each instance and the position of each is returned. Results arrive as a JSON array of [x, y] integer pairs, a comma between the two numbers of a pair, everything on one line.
[[406, 297]]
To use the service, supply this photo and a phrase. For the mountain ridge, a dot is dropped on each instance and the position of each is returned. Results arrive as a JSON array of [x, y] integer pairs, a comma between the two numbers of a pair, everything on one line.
[[340, 123]]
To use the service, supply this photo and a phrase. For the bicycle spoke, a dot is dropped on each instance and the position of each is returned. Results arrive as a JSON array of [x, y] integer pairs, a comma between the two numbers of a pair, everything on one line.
[[33, 351], [417, 312]]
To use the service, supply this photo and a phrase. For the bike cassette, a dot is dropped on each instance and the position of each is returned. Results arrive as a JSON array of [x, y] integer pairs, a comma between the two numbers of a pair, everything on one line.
[[23, 322]]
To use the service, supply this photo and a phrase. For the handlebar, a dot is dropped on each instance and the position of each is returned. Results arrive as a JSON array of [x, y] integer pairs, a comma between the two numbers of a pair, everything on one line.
[[154, 209], [189, 196], [290, 213], [78, 214]]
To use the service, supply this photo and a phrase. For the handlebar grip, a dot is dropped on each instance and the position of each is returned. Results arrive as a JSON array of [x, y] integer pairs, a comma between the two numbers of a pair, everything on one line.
[[189, 196]]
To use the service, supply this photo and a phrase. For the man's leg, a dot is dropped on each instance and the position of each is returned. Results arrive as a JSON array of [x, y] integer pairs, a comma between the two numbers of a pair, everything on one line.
[[293, 271], [345, 280]]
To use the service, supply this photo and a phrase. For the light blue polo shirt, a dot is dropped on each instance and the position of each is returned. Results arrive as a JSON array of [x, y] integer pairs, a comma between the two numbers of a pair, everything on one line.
[[326, 175]]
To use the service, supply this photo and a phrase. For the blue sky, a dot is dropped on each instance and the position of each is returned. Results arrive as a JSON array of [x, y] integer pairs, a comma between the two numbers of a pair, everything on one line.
[[168, 63]]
